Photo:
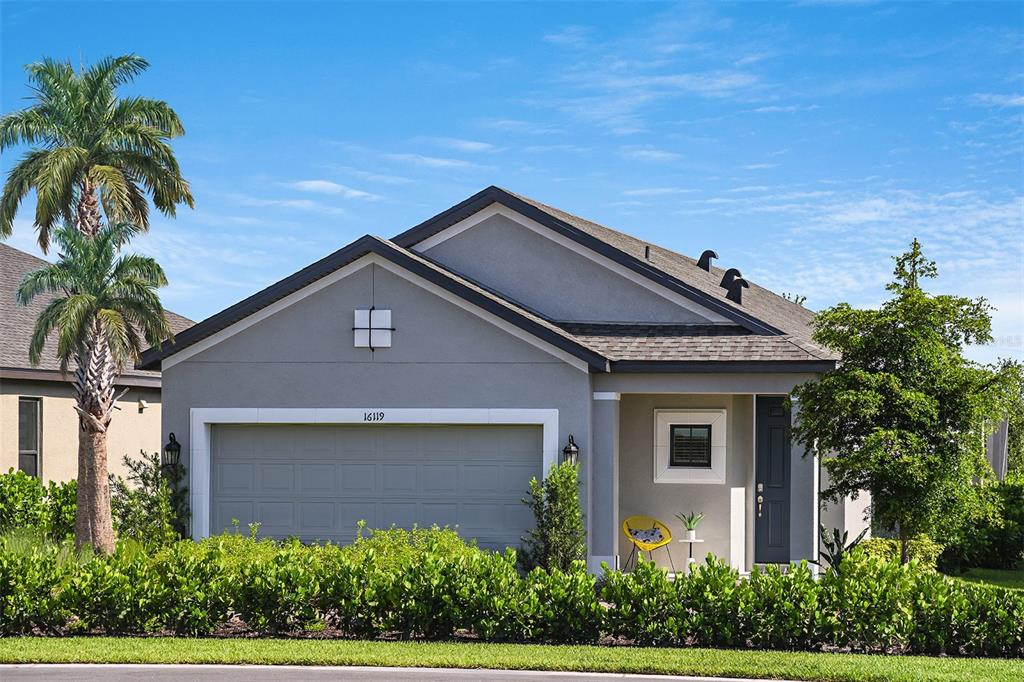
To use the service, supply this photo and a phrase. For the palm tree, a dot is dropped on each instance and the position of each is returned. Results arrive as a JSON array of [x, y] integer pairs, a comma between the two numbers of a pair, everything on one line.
[[104, 305], [91, 148]]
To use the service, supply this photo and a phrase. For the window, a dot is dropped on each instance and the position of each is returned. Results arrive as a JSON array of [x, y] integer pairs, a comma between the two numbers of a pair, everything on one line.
[[690, 445], [372, 329], [28, 435]]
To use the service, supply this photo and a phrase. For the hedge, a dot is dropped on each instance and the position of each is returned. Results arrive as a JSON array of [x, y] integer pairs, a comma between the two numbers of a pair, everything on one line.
[[431, 586]]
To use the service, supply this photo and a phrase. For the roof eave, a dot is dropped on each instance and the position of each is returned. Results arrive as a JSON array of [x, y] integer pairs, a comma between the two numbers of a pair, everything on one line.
[[722, 366]]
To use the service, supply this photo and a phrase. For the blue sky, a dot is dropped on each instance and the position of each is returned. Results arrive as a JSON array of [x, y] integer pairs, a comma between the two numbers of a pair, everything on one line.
[[806, 142]]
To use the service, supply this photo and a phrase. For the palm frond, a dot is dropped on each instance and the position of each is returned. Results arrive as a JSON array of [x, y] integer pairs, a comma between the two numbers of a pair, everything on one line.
[[20, 181], [148, 112], [58, 173], [45, 323]]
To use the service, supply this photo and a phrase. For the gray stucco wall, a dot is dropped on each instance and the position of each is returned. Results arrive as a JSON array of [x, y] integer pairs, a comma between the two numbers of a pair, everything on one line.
[[560, 283], [639, 494], [442, 357]]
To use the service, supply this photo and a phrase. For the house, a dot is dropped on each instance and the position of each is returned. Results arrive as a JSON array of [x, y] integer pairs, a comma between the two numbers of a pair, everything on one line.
[[38, 422], [426, 378]]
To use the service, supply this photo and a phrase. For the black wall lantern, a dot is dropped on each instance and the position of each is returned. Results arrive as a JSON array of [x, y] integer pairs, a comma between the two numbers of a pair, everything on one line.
[[571, 452], [172, 452]]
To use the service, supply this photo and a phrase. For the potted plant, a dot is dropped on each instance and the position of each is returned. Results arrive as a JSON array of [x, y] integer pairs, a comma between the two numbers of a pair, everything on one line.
[[690, 522]]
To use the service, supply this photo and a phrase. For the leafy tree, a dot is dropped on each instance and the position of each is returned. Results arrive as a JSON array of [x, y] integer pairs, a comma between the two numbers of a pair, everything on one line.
[[91, 149], [903, 416], [150, 507], [103, 307]]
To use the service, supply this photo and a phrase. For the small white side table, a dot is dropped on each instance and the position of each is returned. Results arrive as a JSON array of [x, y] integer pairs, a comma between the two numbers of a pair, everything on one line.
[[691, 560]]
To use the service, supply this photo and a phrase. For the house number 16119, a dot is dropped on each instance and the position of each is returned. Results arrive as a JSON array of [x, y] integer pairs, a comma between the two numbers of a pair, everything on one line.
[[373, 416]]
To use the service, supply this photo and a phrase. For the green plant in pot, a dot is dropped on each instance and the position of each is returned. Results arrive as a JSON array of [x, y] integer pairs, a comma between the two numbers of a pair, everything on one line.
[[690, 522]]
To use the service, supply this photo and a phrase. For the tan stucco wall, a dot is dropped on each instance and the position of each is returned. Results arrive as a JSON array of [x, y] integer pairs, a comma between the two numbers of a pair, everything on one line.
[[129, 432], [638, 494]]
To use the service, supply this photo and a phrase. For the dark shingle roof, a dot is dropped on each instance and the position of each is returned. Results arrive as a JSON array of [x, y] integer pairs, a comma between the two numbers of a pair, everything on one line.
[[690, 343], [793, 319], [17, 322]]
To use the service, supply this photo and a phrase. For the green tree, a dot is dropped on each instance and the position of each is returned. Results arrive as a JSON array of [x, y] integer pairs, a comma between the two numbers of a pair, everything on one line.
[[91, 149], [559, 538], [903, 416], [104, 305]]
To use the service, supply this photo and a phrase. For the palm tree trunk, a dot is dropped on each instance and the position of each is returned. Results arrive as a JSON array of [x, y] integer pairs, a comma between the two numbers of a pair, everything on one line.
[[94, 389], [87, 213]]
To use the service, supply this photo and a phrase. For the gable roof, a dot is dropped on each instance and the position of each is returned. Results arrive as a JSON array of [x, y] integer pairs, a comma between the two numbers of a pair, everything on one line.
[[762, 311], [770, 332], [17, 323], [462, 287]]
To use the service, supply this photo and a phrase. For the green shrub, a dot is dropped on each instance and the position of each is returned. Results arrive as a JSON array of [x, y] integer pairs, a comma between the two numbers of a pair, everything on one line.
[[922, 549], [26, 503], [561, 607], [643, 606], [119, 594], [354, 592], [780, 608], [395, 547], [279, 593], [32, 576], [713, 595], [866, 604], [149, 507], [194, 595], [992, 543], [495, 596], [559, 539]]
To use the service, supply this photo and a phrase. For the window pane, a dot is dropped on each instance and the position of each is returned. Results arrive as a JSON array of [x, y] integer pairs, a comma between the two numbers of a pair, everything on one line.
[[28, 424], [27, 463], [690, 446]]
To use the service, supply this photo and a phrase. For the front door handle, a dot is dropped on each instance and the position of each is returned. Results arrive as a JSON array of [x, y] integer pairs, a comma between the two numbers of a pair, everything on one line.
[[760, 501]]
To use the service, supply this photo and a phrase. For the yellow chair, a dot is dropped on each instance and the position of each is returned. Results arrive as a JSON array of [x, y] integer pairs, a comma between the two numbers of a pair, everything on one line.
[[647, 534]]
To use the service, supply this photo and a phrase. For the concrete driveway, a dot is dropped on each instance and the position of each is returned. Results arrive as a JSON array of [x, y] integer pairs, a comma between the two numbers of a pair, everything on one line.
[[261, 673]]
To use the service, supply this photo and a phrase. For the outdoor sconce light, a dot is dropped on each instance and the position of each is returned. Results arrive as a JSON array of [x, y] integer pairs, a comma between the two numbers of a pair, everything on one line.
[[571, 452], [172, 452]]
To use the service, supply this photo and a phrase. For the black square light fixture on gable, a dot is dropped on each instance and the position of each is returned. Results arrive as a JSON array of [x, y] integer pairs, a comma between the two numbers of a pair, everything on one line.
[[172, 452], [571, 452]]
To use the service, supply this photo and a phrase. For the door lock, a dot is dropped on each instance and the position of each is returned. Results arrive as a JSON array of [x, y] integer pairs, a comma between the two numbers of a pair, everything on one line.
[[760, 501], [760, 487]]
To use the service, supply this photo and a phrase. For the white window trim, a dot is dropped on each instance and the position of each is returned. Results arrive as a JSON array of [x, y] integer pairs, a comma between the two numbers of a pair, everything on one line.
[[203, 419], [664, 419]]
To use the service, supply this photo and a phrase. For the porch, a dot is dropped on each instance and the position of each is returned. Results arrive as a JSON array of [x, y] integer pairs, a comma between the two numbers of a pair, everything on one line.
[[659, 453]]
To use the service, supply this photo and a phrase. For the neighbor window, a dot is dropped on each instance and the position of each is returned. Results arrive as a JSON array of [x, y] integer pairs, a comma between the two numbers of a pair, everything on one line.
[[28, 435], [690, 445]]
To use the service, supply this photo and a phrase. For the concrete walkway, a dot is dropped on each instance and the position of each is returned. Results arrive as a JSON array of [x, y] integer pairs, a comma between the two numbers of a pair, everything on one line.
[[261, 673]]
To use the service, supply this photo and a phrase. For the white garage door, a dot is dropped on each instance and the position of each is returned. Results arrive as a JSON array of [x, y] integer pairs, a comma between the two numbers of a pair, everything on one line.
[[318, 482]]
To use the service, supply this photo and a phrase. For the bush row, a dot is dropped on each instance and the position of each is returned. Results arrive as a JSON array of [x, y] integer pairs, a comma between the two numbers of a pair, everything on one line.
[[424, 589], [26, 503]]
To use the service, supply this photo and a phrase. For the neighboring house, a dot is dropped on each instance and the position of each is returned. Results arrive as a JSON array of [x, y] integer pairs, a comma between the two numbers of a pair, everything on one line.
[[425, 379], [38, 422]]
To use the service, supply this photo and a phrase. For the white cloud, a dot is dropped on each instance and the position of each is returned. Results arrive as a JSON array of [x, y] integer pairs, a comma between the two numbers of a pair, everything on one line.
[[995, 100], [760, 166], [750, 188], [657, 191], [329, 187], [290, 204], [571, 36], [431, 161], [649, 154], [785, 109], [461, 145], [370, 176]]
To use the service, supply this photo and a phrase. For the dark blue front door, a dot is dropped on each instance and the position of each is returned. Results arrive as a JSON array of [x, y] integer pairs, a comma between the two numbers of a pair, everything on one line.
[[771, 482]]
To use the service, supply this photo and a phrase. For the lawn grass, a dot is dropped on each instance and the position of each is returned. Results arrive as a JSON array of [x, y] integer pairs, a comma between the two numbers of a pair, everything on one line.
[[681, 661], [1011, 578]]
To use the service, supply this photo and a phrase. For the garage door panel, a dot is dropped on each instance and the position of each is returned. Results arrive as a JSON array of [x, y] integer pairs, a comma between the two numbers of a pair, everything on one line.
[[317, 517], [235, 476], [315, 478], [318, 481], [358, 478], [440, 478], [399, 478], [276, 477]]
